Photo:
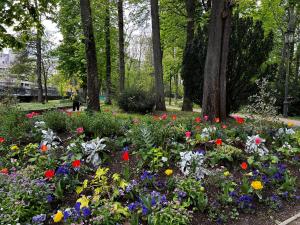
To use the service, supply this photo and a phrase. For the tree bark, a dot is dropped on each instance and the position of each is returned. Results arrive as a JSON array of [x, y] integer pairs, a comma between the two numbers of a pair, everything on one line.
[[90, 51], [224, 58], [108, 55], [45, 82], [214, 89], [39, 66], [157, 57], [121, 45], [190, 6]]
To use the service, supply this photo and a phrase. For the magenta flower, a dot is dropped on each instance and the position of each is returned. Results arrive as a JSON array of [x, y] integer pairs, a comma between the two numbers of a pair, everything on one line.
[[79, 130], [188, 134]]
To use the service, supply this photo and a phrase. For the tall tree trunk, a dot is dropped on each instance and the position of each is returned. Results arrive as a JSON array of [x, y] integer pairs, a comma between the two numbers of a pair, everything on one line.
[[297, 65], [90, 51], [190, 6], [224, 58], [216, 60], [45, 82], [157, 57], [39, 66], [108, 57], [121, 45]]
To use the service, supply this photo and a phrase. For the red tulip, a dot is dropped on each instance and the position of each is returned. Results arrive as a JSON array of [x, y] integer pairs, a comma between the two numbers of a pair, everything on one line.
[[2, 139], [219, 142], [198, 120], [49, 174], [258, 140], [76, 163], [4, 171], [125, 156], [239, 120], [244, 165], [174, 117], [217, 120]]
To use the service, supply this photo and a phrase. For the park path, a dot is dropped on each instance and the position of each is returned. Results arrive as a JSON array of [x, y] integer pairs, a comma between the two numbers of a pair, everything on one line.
[[284, 120]]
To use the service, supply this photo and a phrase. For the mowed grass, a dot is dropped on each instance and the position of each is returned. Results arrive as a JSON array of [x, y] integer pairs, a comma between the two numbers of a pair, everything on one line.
[[52, 104]]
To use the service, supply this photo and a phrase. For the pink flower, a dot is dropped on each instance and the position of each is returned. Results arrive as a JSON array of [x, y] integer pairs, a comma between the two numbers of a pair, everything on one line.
[[79, 130], [188, 134], [258, 140], [206, 117], [164, 116], [31, 115]]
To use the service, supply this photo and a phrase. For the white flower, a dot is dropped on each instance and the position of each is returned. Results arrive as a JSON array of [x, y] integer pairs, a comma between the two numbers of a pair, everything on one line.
[[191, 163], [164, 159], [256, 145]]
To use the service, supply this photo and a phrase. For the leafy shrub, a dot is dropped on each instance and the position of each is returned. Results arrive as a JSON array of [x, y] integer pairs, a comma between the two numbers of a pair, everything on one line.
[[136, 100], [14, 125], [98, 124], [56, 120]]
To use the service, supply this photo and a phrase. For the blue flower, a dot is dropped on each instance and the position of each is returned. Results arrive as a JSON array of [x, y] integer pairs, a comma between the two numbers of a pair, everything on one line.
[[163, 200], [265, 179], [39, 218], [86, 211], [145, 210], [62, 170], [77, 206], [153, 201], [132, 206], [50, 198], [67, 214], [146, 176]]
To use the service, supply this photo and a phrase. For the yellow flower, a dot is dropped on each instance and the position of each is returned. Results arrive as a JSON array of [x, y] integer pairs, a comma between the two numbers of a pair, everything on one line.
[[202, 189], [290, 124], [226, 173], [169, 172], [84, 201], [58, 216], [256, 185], [14, 148]]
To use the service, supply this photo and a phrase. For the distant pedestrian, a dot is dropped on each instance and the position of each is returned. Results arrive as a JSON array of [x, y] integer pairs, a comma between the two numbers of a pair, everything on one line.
[[76, 101]]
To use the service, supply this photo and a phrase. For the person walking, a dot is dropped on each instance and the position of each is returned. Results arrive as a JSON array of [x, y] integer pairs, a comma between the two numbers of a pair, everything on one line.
[[76, 101]]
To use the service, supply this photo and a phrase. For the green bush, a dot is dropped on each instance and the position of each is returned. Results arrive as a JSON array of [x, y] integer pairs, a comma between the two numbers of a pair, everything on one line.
[[56, 120], [98, 124], [14, 125], [136, 100]]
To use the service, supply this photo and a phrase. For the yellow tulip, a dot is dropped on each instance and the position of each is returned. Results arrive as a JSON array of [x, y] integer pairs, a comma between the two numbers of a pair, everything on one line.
[[14, 148], [290, 124], [58, 216], [169, 172], [226, 173], [257, 185]]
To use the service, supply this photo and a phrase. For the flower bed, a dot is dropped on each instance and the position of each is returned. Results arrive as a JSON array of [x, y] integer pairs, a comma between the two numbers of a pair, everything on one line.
[[77, 168]]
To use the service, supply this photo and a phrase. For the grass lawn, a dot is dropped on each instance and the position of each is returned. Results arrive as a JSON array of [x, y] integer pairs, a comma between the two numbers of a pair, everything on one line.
[[31, 106]]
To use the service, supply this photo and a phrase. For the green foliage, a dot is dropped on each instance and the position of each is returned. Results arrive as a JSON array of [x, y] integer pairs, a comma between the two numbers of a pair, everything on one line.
[[224, 154], [14, 126], [170, 215], [195, 194], [21, 197], [136, 100], [56, 120]]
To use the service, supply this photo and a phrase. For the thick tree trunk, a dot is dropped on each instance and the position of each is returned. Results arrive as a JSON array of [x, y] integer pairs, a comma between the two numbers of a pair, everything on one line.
[[214, 89], [45, 82], [297, 65], [39, 66], [190, 6], [121, 46], [90, 51], [157, 57], [224, 58], [108, 56]]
